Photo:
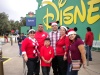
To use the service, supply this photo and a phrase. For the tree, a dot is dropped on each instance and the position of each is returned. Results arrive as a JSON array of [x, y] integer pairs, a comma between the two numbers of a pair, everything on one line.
[[23, 21], [7, 25], [3, 22]]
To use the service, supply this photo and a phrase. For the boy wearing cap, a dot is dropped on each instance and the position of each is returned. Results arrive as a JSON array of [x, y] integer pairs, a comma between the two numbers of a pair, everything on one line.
[[46, 54], [54, 37]]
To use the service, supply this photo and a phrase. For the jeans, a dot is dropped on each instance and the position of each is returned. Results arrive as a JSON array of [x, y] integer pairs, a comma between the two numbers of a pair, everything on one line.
[[31, 65], [20, 51], [71, 72], [88, 52], [45, 70]]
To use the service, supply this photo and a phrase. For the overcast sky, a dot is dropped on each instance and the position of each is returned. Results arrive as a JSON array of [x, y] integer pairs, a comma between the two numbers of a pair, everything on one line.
[[17, 8]]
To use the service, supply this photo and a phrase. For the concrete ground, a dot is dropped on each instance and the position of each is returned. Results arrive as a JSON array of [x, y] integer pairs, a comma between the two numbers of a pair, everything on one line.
[[14, 66]]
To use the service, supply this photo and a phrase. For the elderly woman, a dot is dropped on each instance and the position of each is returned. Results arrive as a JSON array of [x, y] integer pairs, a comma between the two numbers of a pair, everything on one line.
[[30, 52], [76, 54], [61, 50]]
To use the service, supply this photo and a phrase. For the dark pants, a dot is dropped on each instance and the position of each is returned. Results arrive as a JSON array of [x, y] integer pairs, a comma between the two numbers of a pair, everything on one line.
[[31, 65], [71, 72], [88, 52], [45, 70], [37, 70], [55, 65], [20, 51], [62, 65]]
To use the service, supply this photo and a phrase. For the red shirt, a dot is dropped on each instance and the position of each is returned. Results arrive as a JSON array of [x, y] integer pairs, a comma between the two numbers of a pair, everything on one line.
[[29, 47], [47, 53], [89, 38], [62, 45], [40, 37]]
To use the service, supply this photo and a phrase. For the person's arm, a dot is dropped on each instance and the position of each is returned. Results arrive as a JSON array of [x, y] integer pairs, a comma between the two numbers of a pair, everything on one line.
[[83, 54], [50, 60], [86, 38], [52, 56], [44, 59], [23, 48], [67, 44], [41, 54]]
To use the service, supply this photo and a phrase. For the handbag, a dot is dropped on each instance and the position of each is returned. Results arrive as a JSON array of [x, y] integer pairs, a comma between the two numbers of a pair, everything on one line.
[[75, 64]]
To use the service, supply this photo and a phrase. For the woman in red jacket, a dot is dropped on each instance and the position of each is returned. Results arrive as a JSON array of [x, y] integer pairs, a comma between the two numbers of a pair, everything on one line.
[[30, 52], [61, 47]]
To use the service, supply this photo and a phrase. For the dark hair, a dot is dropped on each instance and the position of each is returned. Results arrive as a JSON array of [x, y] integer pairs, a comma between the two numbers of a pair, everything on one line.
[[88, 29], [77, 36], [47, 39], [22, 33], [40, 24]]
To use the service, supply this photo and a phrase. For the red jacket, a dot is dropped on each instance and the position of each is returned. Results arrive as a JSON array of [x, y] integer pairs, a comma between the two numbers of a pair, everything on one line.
[[89, 38], [47, 53], [62, 45], [29, 47], [40, 37]]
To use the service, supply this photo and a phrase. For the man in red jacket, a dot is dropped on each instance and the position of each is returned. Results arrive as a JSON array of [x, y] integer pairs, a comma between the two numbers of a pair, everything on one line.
[[88, 42], [40, 36]]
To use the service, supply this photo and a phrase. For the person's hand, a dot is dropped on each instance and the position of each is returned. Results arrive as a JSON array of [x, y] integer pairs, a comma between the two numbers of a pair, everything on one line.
[[25, 58], [49, 61], [84, 66], [65, 57]]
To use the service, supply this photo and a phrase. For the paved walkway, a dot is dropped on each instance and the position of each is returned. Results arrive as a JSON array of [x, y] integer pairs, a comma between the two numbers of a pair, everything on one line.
[[14, 66]]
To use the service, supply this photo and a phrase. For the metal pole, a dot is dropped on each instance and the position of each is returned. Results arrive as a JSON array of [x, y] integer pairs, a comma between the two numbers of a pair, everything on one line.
[[1, 63], [15, 39], [30, 27], [11, 40]]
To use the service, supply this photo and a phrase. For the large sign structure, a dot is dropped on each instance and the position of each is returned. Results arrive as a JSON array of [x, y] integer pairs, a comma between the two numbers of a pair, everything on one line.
[[30, 19], [71, 13]]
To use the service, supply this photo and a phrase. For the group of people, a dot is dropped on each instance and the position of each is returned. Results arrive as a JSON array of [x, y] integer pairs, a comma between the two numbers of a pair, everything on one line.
[[59, 48]]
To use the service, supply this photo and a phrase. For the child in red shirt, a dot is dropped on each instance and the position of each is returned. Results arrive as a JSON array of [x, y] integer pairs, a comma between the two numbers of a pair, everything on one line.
[[46, 54]]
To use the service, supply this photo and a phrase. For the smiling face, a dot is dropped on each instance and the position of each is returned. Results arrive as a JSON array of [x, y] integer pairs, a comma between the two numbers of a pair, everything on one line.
[[54, 27], [47, 42], [72, 37], [31, 34], [62, 31]]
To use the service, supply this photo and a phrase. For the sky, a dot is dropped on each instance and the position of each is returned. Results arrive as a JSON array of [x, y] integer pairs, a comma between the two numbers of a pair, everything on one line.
[[18, 8]]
